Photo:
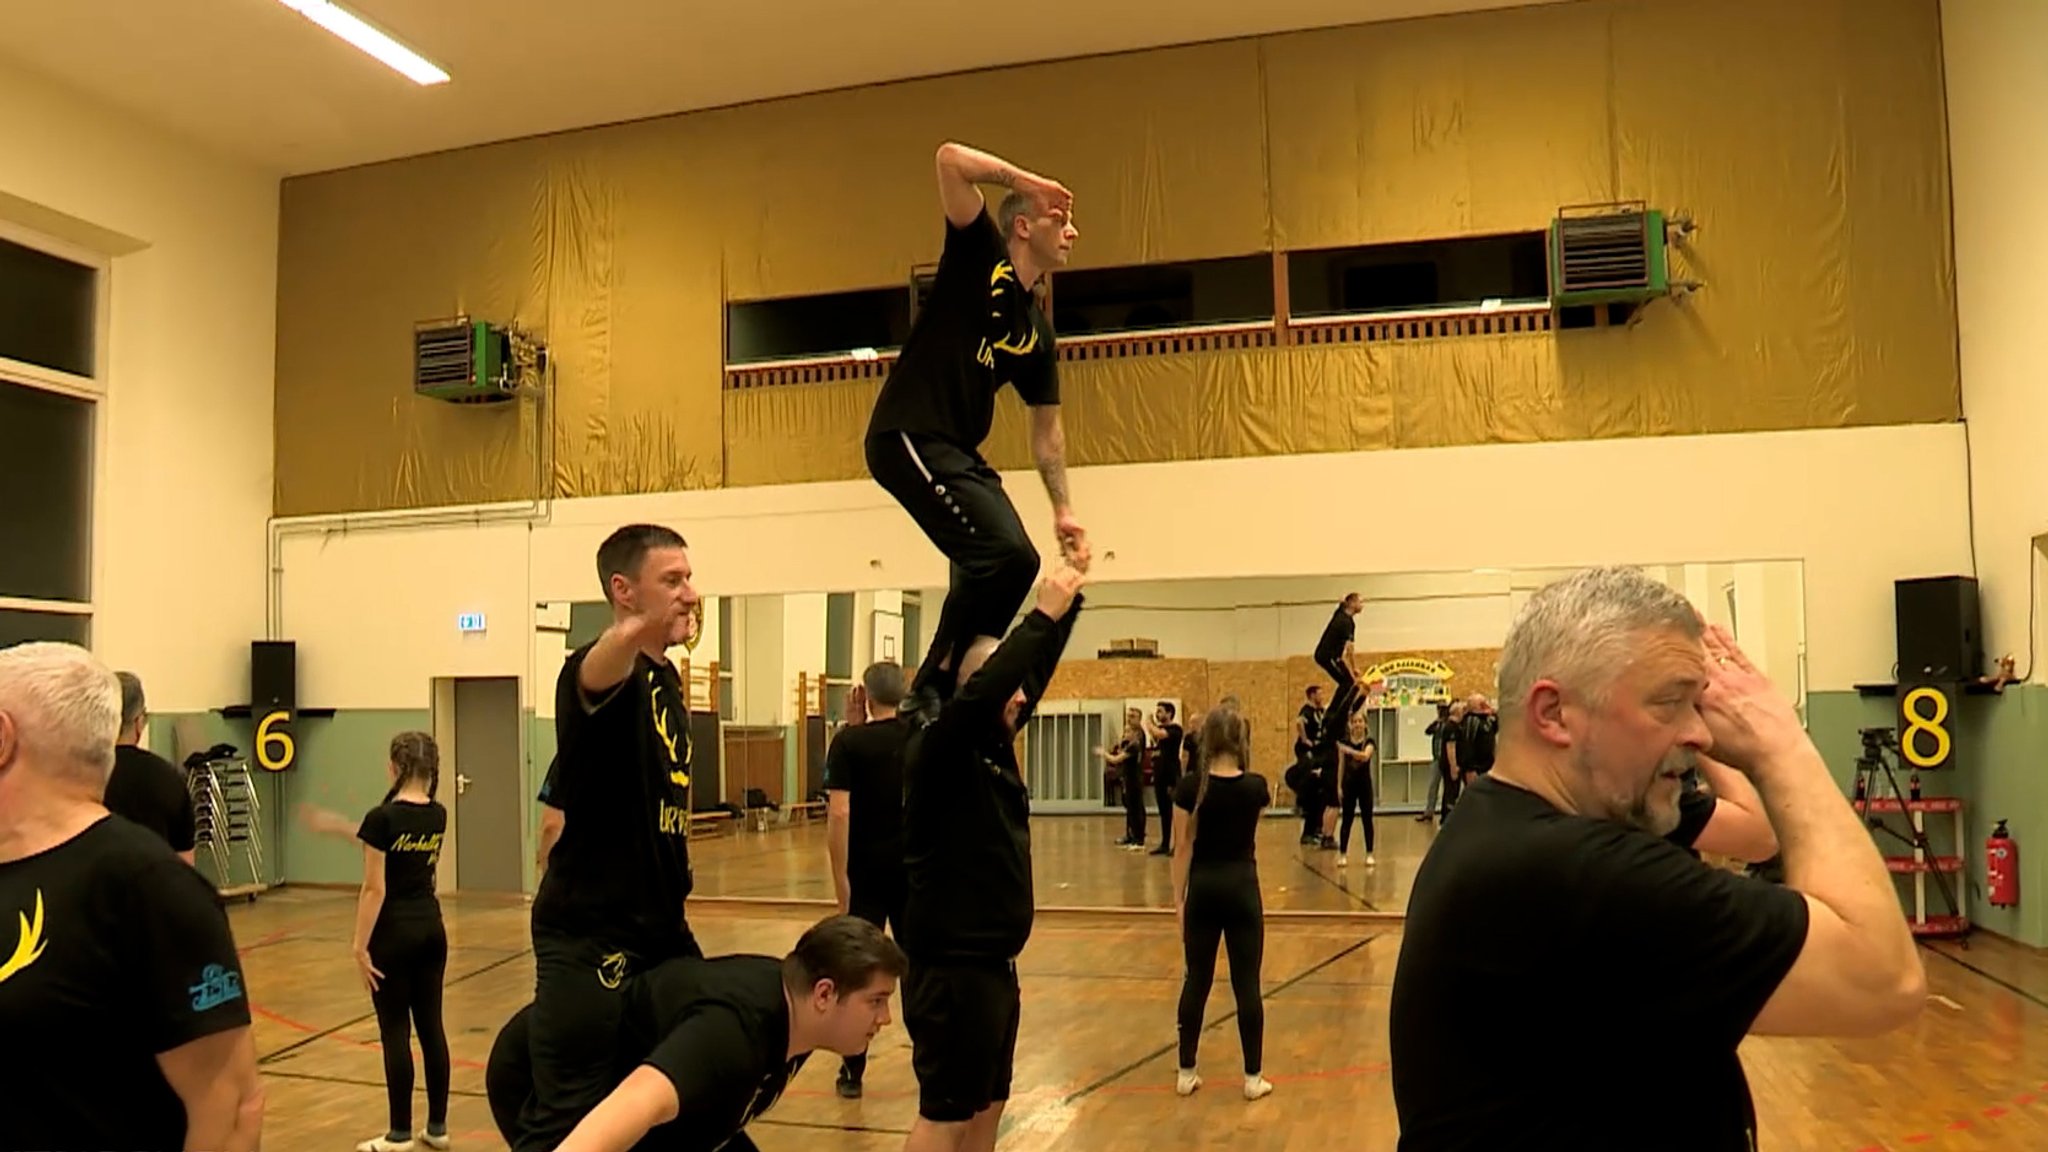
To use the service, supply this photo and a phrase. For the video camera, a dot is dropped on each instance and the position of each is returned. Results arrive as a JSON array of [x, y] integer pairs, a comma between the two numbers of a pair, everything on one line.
[[1876, 738]]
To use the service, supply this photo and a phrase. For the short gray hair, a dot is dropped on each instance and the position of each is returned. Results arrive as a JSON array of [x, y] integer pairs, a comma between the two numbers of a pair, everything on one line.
[[883, 682], [1015, 206], [1576, 631], [133, 703], [66, 704]]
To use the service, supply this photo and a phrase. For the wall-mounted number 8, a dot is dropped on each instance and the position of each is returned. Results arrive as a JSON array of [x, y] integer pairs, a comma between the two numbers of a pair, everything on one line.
[[1919, 725]]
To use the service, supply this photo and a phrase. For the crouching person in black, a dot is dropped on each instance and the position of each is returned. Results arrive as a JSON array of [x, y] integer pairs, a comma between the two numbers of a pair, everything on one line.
[[967, 850], [706, 1046]]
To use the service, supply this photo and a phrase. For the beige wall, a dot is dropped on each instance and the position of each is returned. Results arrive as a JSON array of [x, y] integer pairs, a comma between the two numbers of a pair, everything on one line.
[[185, 485], [1997, 63], [374, 610]]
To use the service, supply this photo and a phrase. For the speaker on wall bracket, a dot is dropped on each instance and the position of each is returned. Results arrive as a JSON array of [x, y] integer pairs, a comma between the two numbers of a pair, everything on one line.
[[1940, 637]]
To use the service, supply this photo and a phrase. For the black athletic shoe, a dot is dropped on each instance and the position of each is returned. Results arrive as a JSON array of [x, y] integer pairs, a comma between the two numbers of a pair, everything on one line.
[[921, 706], [849, 1088], [1162, 850]]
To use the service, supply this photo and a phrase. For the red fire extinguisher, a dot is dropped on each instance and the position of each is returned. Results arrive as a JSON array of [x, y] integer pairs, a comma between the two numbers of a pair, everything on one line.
[[2002, 867]]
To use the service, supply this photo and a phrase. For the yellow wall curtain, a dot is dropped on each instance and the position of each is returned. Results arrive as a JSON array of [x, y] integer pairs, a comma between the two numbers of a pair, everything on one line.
[[1807, 140]]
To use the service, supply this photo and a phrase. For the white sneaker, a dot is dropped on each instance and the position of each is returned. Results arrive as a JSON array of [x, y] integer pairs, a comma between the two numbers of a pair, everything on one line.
[[437, 1143], [384, 1144], [1342, 861], [1186, 1081], [1369, 861], [1257, 1087]]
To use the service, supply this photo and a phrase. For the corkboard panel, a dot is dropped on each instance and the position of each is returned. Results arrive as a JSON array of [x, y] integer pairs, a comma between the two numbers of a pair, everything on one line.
[[1184, 680]]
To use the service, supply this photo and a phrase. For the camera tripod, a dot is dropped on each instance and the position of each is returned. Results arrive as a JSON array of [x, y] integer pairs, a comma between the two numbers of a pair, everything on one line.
[[1875, 743]]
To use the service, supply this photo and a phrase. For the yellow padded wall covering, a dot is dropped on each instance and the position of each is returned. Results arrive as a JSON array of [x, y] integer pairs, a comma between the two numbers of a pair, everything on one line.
[[1807, 140]]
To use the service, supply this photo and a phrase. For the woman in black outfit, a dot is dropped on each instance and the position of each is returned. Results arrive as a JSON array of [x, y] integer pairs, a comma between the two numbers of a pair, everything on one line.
[[401, 946], [1216, 892], [1354, 787]]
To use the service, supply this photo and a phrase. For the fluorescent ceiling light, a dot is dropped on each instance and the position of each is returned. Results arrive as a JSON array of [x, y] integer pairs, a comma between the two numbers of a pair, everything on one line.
[[355, 30]]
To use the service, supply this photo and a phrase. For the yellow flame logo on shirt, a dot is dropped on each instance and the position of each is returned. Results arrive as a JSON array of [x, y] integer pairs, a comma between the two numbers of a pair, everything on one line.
[[29, 945]]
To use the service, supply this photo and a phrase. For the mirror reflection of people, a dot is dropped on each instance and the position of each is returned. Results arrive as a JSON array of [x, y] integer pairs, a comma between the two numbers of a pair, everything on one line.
[[1355, 788], [1166, 735], [1216, 893], [1126, 758], [1610, 690]]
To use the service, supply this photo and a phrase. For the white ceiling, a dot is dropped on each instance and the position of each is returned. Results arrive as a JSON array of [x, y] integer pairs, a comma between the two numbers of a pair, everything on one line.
[[255, 80]]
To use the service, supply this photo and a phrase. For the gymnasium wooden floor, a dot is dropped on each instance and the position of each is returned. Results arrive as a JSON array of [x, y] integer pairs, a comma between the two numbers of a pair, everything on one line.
[[1075, 864], [1095, 1064]]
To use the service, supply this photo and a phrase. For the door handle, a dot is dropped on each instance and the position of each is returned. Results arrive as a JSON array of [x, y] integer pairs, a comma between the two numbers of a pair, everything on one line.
[[462, 783]]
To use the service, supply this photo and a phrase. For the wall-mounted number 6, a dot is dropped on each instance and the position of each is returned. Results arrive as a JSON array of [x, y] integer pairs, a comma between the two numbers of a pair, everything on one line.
[[274, 748]]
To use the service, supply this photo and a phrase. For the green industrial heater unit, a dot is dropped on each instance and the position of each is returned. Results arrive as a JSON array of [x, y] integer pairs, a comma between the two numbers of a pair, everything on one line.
[[1612, 255], [466, 361]]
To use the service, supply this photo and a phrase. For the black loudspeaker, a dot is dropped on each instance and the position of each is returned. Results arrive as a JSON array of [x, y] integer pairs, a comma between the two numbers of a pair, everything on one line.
[[1940, 640], [273, 676]]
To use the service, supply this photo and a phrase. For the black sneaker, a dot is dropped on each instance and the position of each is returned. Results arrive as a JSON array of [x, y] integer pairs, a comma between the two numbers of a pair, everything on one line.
[[849, 1088]]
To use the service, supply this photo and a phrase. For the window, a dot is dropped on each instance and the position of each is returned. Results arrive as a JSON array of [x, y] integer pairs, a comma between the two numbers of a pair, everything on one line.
[[835, 324], [49, 310], [1235, 289], [1462, 273], [21, 626], [46, 462]]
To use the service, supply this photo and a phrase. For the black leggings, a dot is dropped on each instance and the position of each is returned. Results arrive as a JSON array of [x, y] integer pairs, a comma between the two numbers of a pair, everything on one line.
[[1357, 798], [1162, 794], [959, 502], [1223, 903], [1347, 686], [880, 904], [412, 953], [1132, 785]]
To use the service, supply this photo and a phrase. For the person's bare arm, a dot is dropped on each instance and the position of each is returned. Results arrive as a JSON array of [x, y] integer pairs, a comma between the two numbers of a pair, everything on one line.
[[646, 1098], [838, 819], [215, 1078], [368, 905], [1739, 826], [552, 820], [963, 169], [1859, 972], [1049, 452]]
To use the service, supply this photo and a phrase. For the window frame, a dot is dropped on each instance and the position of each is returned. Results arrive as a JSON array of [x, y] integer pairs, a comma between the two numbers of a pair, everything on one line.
[[1505, 307], [94, 391]]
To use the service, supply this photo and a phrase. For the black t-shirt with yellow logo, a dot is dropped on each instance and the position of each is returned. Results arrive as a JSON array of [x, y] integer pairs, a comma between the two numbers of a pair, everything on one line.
[[622, 867], [112, 951], [980, 330], [409, 834]]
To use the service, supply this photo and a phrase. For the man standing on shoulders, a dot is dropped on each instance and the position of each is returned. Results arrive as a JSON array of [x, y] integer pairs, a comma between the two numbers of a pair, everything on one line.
[[121, 994], [611, 901], [967, 848], [864, 819], [1553, 910], [981, 330], [145, 787]]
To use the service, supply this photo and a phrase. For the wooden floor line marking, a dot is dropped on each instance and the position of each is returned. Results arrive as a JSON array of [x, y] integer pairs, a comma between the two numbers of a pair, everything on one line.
[[372, 1014]]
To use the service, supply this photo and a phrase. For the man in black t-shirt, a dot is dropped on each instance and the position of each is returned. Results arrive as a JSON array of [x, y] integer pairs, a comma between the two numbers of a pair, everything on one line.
[[146, 788], [864, 818], [707, 1046], [1551, 910], [1333, 651], [611, 901], [1167, 736], [967, 850], [121, 994], [980, 330]]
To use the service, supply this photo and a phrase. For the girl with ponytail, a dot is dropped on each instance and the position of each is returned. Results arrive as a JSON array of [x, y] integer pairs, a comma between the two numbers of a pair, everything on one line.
[[1216, 890], [401, 944]]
